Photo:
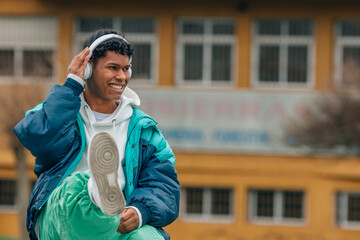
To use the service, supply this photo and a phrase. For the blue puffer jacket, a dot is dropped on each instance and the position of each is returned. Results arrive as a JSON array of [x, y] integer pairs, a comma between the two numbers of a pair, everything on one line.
[[54, 133]]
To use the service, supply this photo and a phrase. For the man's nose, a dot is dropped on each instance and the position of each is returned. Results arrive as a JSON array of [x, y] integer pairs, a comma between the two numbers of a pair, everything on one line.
[[121, 75]]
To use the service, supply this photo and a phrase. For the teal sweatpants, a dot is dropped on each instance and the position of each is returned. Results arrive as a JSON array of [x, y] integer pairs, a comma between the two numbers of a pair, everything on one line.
[[70, 214]]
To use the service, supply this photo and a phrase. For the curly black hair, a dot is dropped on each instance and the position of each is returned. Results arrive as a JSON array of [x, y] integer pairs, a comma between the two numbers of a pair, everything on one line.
[[116, 45]]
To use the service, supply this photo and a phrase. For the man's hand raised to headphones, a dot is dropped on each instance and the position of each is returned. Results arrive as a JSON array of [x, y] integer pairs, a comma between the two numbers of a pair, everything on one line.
[[78, 63]]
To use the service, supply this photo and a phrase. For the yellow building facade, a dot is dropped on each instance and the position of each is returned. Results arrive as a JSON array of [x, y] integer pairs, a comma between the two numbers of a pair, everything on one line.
[[261, 190]]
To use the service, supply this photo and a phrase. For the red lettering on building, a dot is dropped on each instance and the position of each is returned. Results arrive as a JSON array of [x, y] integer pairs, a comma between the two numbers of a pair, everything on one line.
[[249, 110]]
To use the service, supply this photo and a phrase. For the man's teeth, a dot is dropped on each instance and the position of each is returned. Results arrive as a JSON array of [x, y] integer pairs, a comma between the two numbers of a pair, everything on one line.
[[116, 86]]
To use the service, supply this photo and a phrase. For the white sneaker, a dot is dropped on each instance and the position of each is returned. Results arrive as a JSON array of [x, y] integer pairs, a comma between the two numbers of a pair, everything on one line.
[[103, 160]]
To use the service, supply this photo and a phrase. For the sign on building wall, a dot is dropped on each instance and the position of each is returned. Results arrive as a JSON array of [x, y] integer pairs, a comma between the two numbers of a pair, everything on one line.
[[225, 121]]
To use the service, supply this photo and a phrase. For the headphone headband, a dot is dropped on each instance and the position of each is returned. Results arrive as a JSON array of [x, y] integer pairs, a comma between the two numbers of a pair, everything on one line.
[[97, 42], [101, 39]]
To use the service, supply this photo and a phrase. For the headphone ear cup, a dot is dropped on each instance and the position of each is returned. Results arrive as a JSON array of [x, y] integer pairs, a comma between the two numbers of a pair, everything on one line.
[[88, 71], [130, 71]]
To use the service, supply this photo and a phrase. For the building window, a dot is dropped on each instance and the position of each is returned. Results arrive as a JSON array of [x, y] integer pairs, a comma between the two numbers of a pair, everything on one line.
[[275, 206], [205, 52], [7, 193], [38, 63], [348, 209], [207, 204], [7, 62], [347, 53], [283, 54], [27, 49], [139, 32]]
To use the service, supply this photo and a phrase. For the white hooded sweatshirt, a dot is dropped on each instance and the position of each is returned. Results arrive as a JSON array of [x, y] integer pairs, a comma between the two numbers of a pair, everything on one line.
[[116, 124]]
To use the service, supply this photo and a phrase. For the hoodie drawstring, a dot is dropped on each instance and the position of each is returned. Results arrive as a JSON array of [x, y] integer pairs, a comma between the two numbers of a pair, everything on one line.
[[114, 132], [91, 126]]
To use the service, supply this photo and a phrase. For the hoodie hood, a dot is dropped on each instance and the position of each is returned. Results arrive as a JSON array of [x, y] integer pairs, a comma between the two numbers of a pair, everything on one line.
[[122, 113]]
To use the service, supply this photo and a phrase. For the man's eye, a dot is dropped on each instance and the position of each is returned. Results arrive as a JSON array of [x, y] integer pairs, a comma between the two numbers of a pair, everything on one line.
[[126, 69]]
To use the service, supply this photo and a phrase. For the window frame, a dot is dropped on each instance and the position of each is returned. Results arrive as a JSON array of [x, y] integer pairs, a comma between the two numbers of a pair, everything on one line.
[[15, 208], [342, 209], [206, 215], [6, 207], [277, 218], [340, 43], [19, 48], [283, 41], [207, 40], [133, 38]]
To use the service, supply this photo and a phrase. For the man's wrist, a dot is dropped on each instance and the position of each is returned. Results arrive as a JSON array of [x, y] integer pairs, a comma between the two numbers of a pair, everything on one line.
[[76, 78]]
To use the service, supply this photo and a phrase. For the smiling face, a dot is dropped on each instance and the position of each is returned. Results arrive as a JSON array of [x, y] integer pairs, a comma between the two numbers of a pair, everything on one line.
[[108, 81]]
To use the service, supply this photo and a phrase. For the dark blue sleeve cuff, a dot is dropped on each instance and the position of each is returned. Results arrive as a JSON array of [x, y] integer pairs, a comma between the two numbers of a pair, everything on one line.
[[74, 85]]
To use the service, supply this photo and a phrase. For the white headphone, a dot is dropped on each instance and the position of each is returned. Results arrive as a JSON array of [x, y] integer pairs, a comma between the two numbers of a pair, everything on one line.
[[97, 42]]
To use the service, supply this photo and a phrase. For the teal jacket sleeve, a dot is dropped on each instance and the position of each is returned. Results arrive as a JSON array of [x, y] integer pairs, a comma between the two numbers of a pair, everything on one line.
[[157, 189]]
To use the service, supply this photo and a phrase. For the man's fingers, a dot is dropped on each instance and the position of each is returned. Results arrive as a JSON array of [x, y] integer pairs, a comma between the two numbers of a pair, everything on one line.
[[78, 63], [76, 58], [124, 215], [128, 221], [127, 213], [81, 59], [85, 52], [127, 226], [87, 58]]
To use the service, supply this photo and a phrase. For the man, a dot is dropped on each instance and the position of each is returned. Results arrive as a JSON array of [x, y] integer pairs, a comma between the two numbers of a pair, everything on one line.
[[95, 151]]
